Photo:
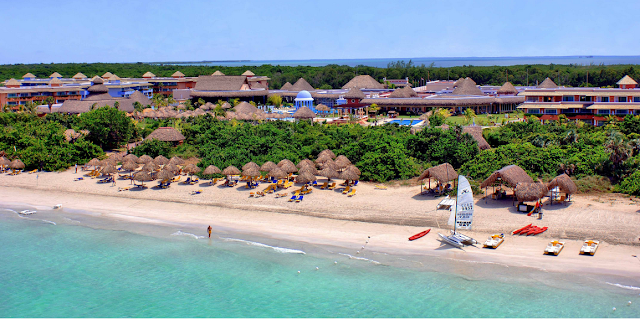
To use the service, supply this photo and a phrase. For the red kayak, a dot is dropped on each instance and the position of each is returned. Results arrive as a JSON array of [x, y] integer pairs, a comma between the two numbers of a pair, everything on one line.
[[521, 229], [541, 230], [531, 231], [419, 235]]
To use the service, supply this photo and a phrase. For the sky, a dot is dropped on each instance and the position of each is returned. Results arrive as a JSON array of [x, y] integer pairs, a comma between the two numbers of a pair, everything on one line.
[[158, 31]]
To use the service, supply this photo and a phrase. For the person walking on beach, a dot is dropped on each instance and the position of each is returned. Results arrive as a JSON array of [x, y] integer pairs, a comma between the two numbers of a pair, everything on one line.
[[209, 230], [76, 168]]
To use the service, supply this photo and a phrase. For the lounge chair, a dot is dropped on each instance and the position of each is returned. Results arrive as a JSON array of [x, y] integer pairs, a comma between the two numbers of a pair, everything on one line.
[[33, 171], [332, 186], [252, 194], [355, 183], [293, 198], [196, 192], [324, 185], [121, 189], [259, 193], [299, 199], [352, 192], [346, 190], [380, 187], [176, 179], [278, 195], [78, 179], [194, 180]]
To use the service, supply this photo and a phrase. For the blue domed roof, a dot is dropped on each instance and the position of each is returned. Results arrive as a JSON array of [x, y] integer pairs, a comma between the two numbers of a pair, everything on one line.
[[304, 95]]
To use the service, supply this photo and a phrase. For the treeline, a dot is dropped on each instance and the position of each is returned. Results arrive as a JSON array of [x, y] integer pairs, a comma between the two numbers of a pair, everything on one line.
[[335, 76]]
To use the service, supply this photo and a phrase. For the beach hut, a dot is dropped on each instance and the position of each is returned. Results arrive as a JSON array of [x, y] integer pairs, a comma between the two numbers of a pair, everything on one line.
[[268, 166], [160, 160], [510, 175], [530, 192], [327, 152], [562, 184], [442, 173], [305, 178]]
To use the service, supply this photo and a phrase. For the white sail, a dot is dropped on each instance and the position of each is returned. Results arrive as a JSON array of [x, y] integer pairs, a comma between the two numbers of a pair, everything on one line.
[[464, 204]]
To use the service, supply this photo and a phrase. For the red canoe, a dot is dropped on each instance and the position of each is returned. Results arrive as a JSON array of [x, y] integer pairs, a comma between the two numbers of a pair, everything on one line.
[[420, 235], [521, 229]]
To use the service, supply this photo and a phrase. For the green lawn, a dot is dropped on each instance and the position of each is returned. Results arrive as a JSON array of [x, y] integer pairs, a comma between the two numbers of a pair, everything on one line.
[[482, 119]]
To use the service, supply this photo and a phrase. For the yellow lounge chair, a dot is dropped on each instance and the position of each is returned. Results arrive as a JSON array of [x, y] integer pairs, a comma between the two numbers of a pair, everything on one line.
[[296, 193], [33, 171], [380, 187], [332, 186], [346, 190], [252, 194], [352, 192], [259, 194], [176, 179], [324, 185]]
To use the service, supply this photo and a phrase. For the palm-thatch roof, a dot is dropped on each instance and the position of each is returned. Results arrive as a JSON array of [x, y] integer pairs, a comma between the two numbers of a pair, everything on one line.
[[342, 161], [79, 76], [626, 80], [467, 87], [349, 174], [507, 88], [150, 167], [108, 169], [363, 82], [94, 162], [323, 108], [231, 170], [476, 133], [564, 183], [547, 84], [148, 75], [354, 169], [308, 169], [177, 74], [167, 134], [305, 162], [217, 72], [12, 82], [327, 152], [28, 75], [251, 171], [176, 161], [248, 73], [142, 176], [16, 164], [108, 161], [287, 87], [171, 167], [285, 161], [129, 166], [250, 165], [289, 167], [165, 175], [160, 160], [511, 175], [245, 107], [354, 93], [327, 162], [530, 192], [191, 169], [405, 92], [4, 161], [301, 85], [131, 157], [304, 113], [211, 169], [329, 172], [277, 173], [144, 159], [305, 177], [55, 75], [442, 173], [268, 166]]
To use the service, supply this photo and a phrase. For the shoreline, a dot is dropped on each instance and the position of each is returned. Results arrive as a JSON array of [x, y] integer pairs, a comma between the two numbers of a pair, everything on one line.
[[611, 260]]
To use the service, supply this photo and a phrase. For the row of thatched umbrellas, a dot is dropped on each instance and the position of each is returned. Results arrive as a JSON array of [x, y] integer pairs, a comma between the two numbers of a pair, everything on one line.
[[15, 164], [165, 168]]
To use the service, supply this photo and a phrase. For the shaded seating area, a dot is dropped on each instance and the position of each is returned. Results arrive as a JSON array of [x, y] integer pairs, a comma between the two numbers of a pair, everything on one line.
[[530, 192], [508, 176], [561, 188], [443, 174]]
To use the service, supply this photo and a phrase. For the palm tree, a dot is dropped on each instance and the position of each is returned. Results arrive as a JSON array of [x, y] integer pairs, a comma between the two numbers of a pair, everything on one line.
[[571, 136], [201, 102], [116, 104], [49, 102], [31, 107], [618, 148], [374, 108], [137, 106], [469, 114], [235, 102]]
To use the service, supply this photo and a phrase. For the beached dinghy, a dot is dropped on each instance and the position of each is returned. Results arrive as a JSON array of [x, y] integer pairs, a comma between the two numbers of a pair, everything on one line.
[[494, 241], [419, 235], [554, 248], [27, 212], [462, 217], [589, 247]]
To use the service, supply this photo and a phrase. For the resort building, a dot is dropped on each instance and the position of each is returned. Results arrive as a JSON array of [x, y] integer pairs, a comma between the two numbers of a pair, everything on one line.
[[591, 105], [15, 94], [99, 96], [212, 88]]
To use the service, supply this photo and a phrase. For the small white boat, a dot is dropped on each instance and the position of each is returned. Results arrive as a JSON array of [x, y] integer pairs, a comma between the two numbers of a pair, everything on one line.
[[27, 212], [554, 248], [57, 206], [457, 239], [494, 241], [589, 247]]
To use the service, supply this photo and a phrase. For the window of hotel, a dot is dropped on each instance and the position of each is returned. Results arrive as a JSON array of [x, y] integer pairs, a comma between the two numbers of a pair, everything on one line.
[[636, 98], [569, 98], [550, 111], [623, 112], [547, 99], [604, 99], [532, 99], [533, 111], [622, 98], [603, 111], [12, 95], [586, 98]]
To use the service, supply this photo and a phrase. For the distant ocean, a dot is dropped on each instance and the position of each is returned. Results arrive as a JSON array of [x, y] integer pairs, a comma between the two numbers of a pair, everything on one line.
[[72, 264], [438, 62]]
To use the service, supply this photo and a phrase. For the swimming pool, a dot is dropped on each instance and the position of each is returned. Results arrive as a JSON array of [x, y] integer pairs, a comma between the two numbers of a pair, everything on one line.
[[405, 122]]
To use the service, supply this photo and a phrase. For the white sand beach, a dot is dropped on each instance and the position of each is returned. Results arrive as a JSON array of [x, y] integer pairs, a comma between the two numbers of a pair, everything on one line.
[[388, 216]]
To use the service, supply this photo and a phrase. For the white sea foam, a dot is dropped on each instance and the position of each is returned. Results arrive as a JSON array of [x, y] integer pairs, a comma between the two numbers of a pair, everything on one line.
[[49, 222], [623, 286], [72, 220], [278, 249], [361, 258], [181, 233], [10, 210]]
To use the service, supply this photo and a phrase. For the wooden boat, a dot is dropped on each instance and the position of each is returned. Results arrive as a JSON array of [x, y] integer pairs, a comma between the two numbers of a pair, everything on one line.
[[494, 241], [554, 248], [419, 235], [515, 232], [589, 247]]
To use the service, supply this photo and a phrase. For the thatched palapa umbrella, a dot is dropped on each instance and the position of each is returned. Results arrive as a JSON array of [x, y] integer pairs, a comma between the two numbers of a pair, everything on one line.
[[285, 161], [530, 192], [142, 176], [165, 175], [172, 168], [144, 159], [308, 169], [150, 167], [191, 169], [16, 164], [131, 157], [211, 169], [176, 161], [231, 170], [289, 167], [108, 161], [250, 165], [329, 173], [442, 173], [305, 162], [268, 166], [323, 108], [349, 175], [327, 152], [342, 161], [94, 162], [330, 164], [305, 178], [277, 173], [304, 113], [160, 160], [564, 183], [130, 166], [4, 162], [108, 170], [251, 172]]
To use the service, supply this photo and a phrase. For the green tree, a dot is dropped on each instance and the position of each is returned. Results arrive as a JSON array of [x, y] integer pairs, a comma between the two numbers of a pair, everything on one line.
[[107, 126], [138, 106], [116, 104], [201, 102], [374, 108], [469, 115], [275, 100], [49, 101], [618, 148]]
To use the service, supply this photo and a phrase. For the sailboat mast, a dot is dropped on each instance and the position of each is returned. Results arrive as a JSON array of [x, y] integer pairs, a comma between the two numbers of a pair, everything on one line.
[[455, 217]]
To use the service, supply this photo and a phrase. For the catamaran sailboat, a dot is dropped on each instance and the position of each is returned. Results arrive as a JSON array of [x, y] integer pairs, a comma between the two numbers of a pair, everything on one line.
[[462, 217]]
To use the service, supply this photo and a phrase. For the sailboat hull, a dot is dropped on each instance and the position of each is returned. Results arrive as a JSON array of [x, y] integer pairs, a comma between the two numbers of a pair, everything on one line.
[[451, 241]]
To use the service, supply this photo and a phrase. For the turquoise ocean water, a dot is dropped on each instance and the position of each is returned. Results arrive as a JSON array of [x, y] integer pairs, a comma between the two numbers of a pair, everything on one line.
[[72, 264]]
